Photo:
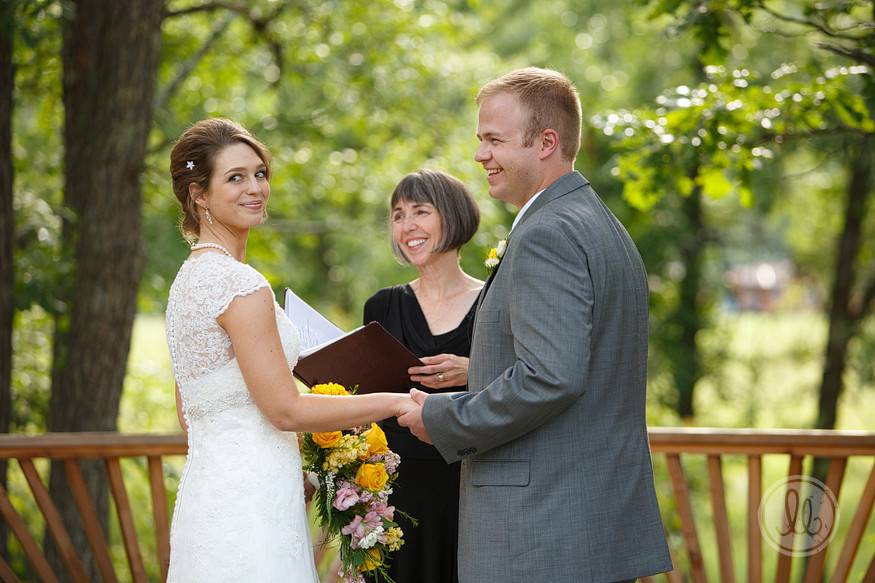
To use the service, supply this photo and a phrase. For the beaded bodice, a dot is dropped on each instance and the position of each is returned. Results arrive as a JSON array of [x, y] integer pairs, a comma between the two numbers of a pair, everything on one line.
[[200, 350], [204, 288]]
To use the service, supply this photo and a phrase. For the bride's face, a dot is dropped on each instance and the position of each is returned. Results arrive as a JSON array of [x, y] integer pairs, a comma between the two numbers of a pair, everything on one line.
[[238, 190]]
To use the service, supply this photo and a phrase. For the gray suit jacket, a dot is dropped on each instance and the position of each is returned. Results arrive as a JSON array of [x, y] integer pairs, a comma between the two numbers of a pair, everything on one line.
[[557, 482]]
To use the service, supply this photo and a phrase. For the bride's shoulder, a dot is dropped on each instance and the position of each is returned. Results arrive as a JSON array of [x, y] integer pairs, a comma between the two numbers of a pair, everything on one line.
[[222, 272]]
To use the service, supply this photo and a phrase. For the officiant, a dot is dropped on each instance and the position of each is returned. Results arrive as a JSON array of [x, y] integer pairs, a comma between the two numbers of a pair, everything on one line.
[[431, 217]]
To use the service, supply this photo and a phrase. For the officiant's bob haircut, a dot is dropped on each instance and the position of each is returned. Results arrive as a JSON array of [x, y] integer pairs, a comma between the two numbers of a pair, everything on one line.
[[459, 214]]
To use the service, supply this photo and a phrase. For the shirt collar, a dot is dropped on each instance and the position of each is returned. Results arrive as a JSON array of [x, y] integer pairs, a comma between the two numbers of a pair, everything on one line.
[[523, 210]]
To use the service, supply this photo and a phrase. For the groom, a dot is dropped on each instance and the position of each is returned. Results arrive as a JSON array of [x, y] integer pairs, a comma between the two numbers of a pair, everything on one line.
[[557, 483]]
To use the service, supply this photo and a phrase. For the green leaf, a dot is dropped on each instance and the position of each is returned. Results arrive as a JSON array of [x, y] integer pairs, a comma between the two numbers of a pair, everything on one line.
[[745, 195], [714, 183]]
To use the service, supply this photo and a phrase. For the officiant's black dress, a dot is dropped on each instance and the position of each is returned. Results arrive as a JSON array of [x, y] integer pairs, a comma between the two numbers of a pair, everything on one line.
[[427, 488]]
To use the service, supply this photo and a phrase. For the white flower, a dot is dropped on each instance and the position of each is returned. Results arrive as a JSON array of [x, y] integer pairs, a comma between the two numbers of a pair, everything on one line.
[[189, 165], [495, 255], [370, 539]]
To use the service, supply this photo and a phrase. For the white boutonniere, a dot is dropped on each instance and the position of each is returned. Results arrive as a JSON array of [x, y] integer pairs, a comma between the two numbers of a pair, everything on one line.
[[495, 255]]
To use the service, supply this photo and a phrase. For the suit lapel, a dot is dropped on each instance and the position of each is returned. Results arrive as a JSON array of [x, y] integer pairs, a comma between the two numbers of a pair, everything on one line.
[[562, 186], [483, 291]]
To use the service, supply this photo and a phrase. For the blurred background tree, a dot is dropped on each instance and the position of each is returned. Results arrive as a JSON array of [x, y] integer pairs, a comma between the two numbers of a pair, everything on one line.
[[734, 139], [818, 100], [7, 233]]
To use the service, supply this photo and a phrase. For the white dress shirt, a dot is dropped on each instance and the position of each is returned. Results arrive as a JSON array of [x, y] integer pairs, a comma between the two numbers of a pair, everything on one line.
[[523, 210]]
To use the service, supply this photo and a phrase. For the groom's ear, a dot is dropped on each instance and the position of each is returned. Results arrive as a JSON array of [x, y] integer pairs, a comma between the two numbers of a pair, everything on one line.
[[549, 143]]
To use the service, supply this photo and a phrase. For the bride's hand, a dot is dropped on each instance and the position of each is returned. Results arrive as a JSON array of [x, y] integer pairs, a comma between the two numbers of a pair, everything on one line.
[[412, 420], [309, 488], [441, 371], [404, 405]]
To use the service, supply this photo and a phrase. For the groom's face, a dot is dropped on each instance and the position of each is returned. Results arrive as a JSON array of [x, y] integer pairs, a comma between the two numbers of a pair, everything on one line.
[[511, 168]]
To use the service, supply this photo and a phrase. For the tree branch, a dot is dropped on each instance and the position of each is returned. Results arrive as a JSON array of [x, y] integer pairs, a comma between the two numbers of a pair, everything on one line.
[[167, 92], [239, 8], [822, 28], [853, 54], [259, 23], [771, 137]]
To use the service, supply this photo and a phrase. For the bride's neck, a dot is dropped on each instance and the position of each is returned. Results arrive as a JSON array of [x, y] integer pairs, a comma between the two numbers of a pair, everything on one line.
[[234, 243]]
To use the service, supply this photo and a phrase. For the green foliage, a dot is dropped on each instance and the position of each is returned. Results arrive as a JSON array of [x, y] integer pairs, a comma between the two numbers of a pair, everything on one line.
[[31, 352], [336, 90], [727, 128], [352, 96], [41, 265]]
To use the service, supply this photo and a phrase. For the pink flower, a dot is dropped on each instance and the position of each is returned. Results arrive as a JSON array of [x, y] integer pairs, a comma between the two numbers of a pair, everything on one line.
[[373, 520], [359, 527], [391, 461], [355, 530], [383, 510], [346, 498]]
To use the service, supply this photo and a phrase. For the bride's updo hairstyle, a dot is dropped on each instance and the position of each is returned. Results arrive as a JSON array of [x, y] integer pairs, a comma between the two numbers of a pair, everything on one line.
[[193, 158]]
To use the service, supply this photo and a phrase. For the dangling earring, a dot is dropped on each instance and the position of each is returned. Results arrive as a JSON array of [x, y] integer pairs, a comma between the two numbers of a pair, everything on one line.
[[209, 216]]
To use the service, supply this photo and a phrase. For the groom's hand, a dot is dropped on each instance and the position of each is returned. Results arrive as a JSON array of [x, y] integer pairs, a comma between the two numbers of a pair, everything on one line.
[[412, 420]]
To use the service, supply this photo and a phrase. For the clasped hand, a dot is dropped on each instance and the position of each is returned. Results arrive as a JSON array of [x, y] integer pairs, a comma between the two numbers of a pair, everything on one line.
[[411, 415]]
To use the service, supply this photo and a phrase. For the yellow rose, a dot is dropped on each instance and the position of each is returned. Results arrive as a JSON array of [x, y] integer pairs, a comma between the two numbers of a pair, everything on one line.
[[373, 559], [376, 440], [371, 476], [328, 389], [326, 440]]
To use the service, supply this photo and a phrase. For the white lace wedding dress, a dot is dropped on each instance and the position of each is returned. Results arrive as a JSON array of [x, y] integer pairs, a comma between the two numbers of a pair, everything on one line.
[[239, 512]]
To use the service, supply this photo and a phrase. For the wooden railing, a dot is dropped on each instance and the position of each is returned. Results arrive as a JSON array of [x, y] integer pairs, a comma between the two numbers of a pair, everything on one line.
[[672, 448], [70, 448], [715, 445]]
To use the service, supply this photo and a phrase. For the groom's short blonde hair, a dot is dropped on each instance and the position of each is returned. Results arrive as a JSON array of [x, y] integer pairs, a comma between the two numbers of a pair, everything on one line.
[[550, 100]]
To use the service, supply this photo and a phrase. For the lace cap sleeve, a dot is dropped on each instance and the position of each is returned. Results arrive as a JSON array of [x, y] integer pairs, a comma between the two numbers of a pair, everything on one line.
[[226, 279]]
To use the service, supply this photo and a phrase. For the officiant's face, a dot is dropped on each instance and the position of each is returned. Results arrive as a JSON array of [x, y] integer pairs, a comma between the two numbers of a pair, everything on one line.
[[511, 168], [417, 230], [239, 188]]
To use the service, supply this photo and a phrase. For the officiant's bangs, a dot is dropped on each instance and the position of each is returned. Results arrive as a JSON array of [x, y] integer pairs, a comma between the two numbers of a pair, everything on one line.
[[459, 214]]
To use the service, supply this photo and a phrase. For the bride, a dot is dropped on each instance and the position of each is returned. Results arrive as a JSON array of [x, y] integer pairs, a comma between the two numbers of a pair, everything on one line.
[[239, 512]]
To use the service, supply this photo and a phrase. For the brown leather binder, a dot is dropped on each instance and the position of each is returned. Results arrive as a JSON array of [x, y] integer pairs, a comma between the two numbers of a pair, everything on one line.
[[369, 357]]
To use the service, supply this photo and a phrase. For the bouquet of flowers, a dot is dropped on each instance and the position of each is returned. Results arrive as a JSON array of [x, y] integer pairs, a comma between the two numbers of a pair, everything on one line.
[[356, 469]]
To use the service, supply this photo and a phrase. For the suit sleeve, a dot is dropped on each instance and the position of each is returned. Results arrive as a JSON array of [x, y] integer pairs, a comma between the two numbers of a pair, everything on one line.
[[550, 311]]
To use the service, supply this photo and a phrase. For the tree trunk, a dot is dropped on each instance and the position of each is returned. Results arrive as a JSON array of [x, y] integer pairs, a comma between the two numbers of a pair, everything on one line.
[[110, 58], [843, 321], [7, 230], [687, 319]]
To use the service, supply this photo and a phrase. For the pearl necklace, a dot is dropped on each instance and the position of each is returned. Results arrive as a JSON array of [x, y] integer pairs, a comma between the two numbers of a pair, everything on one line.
[[197, 246]]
